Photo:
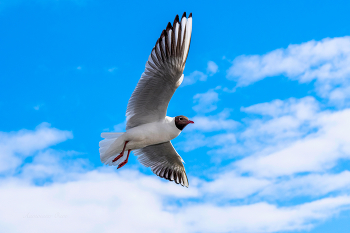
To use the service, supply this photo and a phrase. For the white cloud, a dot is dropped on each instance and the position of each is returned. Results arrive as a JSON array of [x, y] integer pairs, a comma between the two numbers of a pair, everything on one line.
[[325, 61], [206, 102], [111, 70], [316, 152], [197, 140], [233, 186], [76, 199], [53, 165], [212, 123], [313, 185], [195, 137], [280, 141], [212, 68], [282, 120], [38, 106], [192, 142], [290, 151], [261, 217], [98, 201], [193, 78], [120, 127], [304, 108], [15, 146], [272, 126]]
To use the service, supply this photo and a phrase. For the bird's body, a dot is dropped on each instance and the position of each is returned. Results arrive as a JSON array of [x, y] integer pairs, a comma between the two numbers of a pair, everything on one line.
[[152, 133], [144, 135], [148, 129]]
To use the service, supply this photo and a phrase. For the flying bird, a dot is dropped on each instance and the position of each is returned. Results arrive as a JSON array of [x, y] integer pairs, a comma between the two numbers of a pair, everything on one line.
[[148, 129]]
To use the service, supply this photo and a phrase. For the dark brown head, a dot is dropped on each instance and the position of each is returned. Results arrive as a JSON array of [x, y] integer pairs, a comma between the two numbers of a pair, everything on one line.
[[182, 121]]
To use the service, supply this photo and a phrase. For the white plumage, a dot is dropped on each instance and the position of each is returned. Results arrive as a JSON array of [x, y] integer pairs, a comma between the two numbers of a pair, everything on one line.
[[137, 137]]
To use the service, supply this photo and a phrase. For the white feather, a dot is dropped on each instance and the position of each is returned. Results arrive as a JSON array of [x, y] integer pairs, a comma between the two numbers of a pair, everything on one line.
[[176, 33], [158, 51], [169, 39], [150, 60], [151, 133], [137, 137], [178, 83], [183, 26], [110, 146], [188, 36], [163, 44]]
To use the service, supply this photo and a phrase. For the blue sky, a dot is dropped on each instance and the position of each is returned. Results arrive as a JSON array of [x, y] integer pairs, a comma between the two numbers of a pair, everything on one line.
[[271, 77]]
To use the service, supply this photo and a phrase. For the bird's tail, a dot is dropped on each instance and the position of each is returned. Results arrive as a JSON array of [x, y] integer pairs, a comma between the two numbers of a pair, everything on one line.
[[110, 147]]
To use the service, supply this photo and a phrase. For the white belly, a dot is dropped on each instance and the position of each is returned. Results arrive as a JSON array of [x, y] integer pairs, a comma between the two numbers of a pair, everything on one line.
[[150, 134]]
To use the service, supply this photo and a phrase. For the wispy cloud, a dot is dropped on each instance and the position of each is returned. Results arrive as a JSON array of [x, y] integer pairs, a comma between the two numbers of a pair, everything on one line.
[[212, 68], [215, 122], [38, 106], [312, 185], [325, 61], [16, 146], [206, 102], [316, 142], [248, 218], [73, 194], [196, 140], [120, 127], [194, 77], [112, 69]]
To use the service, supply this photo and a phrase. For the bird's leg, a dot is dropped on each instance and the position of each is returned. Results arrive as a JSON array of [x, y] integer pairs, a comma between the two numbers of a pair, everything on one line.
[[121, 153], [126, 160]]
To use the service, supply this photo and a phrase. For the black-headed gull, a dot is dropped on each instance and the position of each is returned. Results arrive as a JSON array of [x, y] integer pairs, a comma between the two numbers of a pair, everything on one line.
[[148, 129]]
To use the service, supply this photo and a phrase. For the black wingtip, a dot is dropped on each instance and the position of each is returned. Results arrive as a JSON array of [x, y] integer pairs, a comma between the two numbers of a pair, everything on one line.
[[168, 27], [163, 34], [184, 15], [190, 16], [176, 20]]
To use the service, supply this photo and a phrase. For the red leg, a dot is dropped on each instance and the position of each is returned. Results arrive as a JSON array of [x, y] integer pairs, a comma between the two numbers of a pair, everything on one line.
[[126, 160], [121, 153]]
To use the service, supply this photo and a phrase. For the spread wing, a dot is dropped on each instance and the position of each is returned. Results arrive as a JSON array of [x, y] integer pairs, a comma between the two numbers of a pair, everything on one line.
[[162, 75], [164, 161]]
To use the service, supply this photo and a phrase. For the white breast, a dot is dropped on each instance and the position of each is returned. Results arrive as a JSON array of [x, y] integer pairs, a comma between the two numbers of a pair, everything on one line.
[[151, 133]]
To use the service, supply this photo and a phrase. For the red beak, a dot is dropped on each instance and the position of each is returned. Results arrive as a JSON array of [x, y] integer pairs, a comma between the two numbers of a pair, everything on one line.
[[190, 122]]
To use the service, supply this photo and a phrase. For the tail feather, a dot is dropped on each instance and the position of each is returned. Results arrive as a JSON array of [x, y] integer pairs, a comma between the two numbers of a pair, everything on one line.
[[111, 147]]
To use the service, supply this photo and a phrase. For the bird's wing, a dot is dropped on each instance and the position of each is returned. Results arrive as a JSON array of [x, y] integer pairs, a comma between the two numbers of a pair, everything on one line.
[[164, 161], [162, 75]]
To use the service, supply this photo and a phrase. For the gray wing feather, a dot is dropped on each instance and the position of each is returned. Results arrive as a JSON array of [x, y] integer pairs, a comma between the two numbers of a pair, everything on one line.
[[164, 161], [159, 81]]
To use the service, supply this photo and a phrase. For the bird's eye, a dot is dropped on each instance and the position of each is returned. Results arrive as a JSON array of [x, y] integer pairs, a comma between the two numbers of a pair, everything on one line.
[[180, 118]]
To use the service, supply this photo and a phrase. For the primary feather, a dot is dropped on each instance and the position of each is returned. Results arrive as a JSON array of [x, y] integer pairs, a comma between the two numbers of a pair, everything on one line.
[[164, 161], [159, 81]]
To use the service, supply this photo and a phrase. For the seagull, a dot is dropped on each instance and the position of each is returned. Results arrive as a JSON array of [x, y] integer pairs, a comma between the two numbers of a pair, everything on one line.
[[148, 129]]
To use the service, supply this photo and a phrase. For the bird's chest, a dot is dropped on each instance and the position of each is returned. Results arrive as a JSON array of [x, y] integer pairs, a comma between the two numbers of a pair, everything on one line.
[[152, 133]]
